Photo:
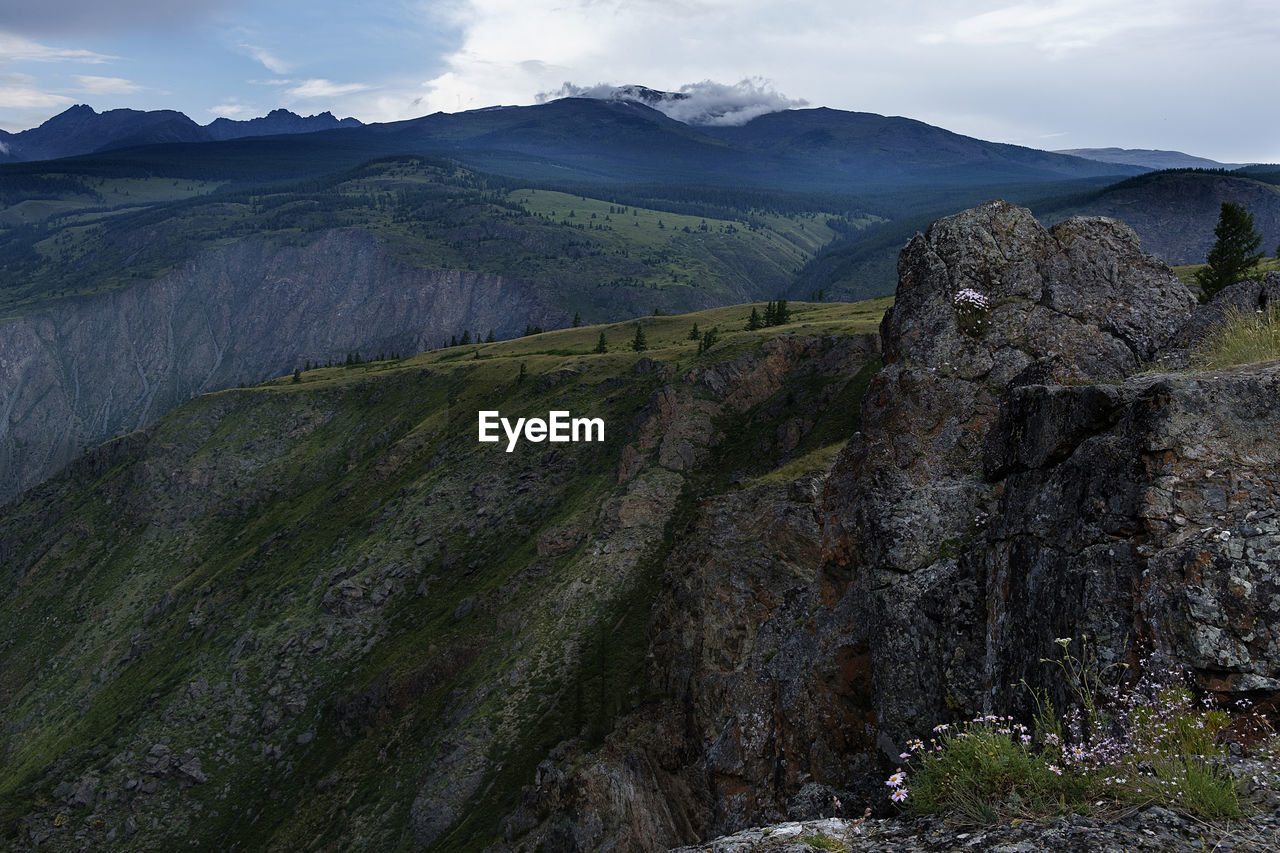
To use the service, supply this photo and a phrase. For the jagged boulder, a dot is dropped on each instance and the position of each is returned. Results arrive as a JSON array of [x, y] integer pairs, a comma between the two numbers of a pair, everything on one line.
[[1075, 303]]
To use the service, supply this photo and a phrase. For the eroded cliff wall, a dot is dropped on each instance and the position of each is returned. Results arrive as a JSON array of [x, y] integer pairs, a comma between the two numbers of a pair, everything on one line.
[[79, 373]]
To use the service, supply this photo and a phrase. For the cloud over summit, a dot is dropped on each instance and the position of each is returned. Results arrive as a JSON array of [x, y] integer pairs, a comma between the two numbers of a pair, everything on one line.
[[705, 103]]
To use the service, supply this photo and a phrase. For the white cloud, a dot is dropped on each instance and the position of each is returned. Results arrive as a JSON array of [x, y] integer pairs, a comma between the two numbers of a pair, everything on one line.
[[15, 48], [321, 88], [270, 61], [90, 85], [230, 110], [30, 97], [1059, 27], [705, 103]]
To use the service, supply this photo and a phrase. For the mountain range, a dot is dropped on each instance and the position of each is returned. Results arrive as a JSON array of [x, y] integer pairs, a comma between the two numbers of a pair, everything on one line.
[[81, 130], [587, 140]]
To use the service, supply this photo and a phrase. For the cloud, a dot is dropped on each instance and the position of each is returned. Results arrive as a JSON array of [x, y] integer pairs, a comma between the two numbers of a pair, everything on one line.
[[29, 97], [106, 85], [231, 110], [1058, 27], [705, 103], [4, 149], [15, 48], [270, 61], [321, 88]]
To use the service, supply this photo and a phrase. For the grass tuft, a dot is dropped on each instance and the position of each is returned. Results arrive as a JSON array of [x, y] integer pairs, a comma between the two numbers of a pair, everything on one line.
[[1242, 338]]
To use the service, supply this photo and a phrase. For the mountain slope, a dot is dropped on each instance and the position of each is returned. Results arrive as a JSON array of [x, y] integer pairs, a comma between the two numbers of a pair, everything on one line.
[[114, 316], [1149, 158], [881, 150], [1175, 212], [322, 613]]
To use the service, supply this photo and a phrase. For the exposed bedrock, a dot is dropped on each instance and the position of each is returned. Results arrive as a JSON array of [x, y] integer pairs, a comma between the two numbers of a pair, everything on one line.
[[79, 373]]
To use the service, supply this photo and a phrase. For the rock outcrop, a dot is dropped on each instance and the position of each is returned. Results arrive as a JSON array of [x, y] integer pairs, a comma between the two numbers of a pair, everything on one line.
[[956, 550]]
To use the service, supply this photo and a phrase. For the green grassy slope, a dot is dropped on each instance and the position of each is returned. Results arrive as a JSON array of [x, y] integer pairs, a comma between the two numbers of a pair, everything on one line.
[[319, 614], [70, 239]]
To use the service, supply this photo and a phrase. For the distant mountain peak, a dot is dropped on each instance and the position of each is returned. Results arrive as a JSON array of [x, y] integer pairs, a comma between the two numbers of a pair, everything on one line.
[[80, 129], [699, 104]]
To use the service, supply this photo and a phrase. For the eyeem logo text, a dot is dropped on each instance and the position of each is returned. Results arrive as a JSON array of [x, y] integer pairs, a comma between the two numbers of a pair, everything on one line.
[[557, 427]]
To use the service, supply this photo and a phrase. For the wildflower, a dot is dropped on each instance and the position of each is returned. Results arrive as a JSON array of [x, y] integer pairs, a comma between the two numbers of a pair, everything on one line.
[[904, 755], [1053, 768], [898, 795], [970, 300], [939, 729], [896, 779]]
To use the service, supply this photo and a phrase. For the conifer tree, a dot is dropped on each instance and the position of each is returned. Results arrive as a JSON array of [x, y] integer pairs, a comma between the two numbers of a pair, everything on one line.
[[781, 313], [1234, 253], [466, 337], [638, 343], [694, 334], [770, 314], [754, 321], [577, 319], [602, 346], [489, 339]]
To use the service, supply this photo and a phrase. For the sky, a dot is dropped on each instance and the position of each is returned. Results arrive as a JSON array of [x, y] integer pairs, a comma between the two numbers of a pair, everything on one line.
[[1199, 76]]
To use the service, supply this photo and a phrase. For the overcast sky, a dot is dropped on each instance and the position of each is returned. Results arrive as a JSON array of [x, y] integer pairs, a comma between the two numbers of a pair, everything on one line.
[[1200, 76]]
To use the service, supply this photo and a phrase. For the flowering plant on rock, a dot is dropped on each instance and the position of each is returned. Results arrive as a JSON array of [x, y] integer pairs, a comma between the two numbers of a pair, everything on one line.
[[1149, 742]]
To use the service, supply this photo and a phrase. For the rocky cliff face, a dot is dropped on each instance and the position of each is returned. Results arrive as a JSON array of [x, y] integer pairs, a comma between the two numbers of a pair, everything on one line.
[[929, 519], [1017, 478], [79, 373]]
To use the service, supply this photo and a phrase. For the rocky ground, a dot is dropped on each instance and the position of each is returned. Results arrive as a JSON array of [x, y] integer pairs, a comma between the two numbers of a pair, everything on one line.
[[1113, 829], [1152, 828]]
